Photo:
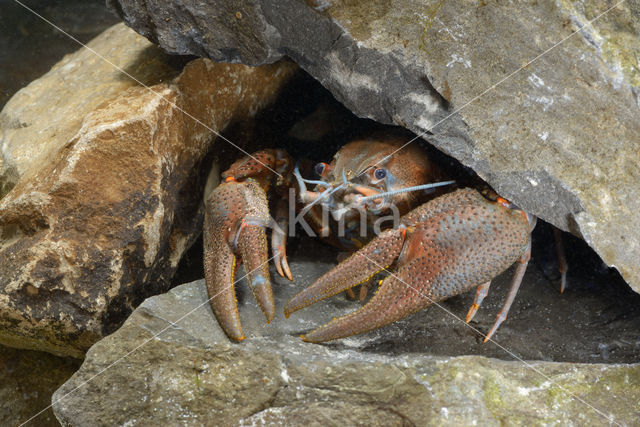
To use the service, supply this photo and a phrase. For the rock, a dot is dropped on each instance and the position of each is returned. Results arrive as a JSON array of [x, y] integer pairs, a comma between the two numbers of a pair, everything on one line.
[[99, 222], [170, 363], [29, 378], [49, 111], [549, 118], [30, 46]]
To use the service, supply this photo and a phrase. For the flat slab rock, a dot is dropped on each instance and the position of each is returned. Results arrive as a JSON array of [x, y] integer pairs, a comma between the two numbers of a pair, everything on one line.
[[170, 363], [558, 136]]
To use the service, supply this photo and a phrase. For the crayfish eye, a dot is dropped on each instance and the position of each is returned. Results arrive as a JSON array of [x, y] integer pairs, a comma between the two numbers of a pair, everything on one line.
[[320, 168], [380, 173]]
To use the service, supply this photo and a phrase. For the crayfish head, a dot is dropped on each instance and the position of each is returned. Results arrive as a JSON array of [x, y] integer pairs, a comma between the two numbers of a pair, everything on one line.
[[379, 164]]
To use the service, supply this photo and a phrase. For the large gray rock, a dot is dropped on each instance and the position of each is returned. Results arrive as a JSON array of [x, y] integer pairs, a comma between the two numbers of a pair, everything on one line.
[[170, 363], [558, 136], [109, 186]]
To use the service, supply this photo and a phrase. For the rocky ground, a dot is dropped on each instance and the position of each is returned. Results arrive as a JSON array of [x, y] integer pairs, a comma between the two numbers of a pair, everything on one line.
[[171, 363]]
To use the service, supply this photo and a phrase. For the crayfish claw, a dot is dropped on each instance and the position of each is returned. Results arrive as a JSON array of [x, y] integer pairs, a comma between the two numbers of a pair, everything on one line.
[[252, 245], [236, 216], [393, 301], [219, 270], [358, 268], [445, 247]]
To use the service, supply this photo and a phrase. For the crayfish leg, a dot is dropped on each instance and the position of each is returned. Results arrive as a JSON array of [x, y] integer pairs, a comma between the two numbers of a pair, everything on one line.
[[481, 292], [279, 239], [516, 281], [364, 290], [563, 267]]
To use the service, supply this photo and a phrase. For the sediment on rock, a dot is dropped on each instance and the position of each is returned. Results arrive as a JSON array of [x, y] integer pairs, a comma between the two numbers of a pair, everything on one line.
[[274, 378]]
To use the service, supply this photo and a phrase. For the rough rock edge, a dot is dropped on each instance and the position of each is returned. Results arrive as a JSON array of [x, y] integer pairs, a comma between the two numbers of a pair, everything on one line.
[[99, 255]]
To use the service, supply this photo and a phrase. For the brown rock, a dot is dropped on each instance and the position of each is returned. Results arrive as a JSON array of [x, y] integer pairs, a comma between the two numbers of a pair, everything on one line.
[[49, 111], [102, 223]]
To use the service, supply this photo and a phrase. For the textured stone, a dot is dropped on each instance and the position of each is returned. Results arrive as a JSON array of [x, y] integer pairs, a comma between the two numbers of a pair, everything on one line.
[[559, 137], [49, 111], [170, 363], [100, 222]]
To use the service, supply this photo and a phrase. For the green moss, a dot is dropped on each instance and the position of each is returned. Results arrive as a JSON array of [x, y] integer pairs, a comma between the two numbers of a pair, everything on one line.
[[561, 393], [624, 381], [623, 49], [554, 393], [493, 397], [426, 22]]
